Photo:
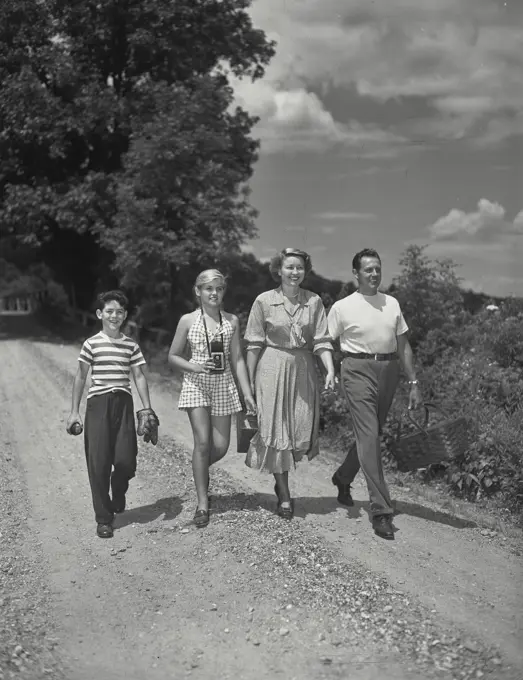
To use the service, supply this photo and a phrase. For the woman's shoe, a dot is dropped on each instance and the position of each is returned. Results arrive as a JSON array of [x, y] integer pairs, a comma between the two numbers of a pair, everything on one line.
[[286, 512], [201, 518]]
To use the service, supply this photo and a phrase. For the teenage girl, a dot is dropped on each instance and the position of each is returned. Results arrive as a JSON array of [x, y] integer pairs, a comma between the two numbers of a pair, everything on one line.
[[209, 393]]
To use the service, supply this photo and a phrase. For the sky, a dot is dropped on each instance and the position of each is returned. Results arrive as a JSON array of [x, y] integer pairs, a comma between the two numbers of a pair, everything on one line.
[[389, 122]]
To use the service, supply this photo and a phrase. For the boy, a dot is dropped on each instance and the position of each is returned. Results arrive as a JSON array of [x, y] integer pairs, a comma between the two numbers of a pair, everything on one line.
[[110, 435]]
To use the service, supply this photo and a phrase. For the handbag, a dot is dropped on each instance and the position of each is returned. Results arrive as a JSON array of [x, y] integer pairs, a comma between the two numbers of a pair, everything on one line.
[[246, 428], [431, 444]]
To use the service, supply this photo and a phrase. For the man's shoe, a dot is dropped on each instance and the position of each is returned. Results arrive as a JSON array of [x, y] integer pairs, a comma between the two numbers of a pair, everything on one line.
[[382, 525], [104, 531], [344, 496]]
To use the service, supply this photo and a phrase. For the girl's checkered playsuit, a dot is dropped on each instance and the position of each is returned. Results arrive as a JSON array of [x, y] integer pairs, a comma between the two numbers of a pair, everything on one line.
[[215, 390]]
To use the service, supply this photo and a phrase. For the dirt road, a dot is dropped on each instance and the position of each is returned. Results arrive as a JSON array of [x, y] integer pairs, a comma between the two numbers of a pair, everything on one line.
[[250, 596]]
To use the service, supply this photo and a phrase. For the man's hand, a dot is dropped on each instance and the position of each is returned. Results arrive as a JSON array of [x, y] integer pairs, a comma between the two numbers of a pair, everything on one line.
[[415, 397]]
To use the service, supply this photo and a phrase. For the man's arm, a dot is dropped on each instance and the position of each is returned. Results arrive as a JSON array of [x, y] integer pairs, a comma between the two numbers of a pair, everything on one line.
[[406, 358]]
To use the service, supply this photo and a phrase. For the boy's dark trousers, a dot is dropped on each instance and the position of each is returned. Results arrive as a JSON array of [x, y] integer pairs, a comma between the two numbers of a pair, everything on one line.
[[110, 440]]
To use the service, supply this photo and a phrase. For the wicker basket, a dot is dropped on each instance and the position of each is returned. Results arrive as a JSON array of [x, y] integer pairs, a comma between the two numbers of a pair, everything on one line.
[[246, 428], [438, 443]]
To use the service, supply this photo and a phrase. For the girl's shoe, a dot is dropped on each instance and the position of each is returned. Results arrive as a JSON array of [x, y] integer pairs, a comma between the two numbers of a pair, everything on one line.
[[201, 518]]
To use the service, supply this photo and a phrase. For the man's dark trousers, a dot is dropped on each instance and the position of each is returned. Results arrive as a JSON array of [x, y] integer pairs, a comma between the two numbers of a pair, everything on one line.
[[369, 387], [110, 440]]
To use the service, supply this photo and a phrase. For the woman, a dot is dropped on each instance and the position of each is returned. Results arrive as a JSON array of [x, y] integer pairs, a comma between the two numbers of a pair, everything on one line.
[[209, 393], [286, 328]]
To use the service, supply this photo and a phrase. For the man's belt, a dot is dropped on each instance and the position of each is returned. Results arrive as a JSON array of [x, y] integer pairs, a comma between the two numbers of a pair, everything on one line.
[[374, 357]]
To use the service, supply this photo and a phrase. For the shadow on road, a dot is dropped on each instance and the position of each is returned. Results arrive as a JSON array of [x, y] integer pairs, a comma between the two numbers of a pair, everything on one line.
[[169, 507], [325, 505]]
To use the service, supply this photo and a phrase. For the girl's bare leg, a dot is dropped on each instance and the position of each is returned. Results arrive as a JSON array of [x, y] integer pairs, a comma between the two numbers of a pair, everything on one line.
[[200, 420], [221, 437]]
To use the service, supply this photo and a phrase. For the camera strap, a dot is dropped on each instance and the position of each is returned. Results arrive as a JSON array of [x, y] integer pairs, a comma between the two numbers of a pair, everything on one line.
[[207, 334]]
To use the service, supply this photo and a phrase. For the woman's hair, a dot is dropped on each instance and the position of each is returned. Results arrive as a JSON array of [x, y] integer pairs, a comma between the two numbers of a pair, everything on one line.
[[207, 276], [277, 261]]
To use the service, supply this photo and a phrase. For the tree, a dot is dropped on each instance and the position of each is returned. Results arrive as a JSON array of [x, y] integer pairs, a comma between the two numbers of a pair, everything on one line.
[[181, 199], [428, 291], [347, 289], [84, 97]]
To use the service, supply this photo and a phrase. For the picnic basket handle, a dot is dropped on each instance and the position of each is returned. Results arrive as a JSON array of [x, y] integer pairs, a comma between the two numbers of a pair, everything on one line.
[[415, 422], [427, 405]]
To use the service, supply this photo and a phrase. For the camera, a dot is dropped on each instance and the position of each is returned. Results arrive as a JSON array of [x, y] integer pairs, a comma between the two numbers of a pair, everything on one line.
[[218, 357]]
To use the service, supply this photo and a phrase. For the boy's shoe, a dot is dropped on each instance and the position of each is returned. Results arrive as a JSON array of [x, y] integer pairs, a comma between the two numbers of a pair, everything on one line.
[[118, 504], [344, 495], [104, 530]]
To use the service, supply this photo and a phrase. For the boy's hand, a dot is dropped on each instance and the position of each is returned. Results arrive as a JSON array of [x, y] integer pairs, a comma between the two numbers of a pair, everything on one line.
[[148, 424], [73, 418]]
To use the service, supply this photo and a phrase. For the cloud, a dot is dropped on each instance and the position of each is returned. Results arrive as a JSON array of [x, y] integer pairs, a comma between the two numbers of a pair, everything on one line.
[[344, 216], [296, 120], [487, 222], [484, 237], [463, 57]]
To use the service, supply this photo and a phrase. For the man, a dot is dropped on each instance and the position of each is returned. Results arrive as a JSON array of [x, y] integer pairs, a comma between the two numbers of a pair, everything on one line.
[[373, 340]]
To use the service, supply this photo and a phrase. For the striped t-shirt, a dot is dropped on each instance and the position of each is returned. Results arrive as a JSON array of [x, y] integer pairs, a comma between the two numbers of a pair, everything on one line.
[[110, 360]]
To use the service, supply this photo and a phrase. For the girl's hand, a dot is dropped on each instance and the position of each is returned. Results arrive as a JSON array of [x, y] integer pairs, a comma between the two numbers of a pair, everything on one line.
[[330, 381], [206, 367], [250, 404]]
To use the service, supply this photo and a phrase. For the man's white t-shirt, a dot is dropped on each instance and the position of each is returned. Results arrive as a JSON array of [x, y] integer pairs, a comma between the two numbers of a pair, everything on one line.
[[367, 323]]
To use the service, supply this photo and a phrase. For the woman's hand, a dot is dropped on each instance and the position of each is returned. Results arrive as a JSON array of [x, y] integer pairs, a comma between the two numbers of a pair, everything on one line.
[[330, 381]]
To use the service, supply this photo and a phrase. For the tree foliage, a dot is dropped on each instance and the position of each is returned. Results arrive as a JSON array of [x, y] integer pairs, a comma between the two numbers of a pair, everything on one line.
[[429, 293], [116, 123]]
